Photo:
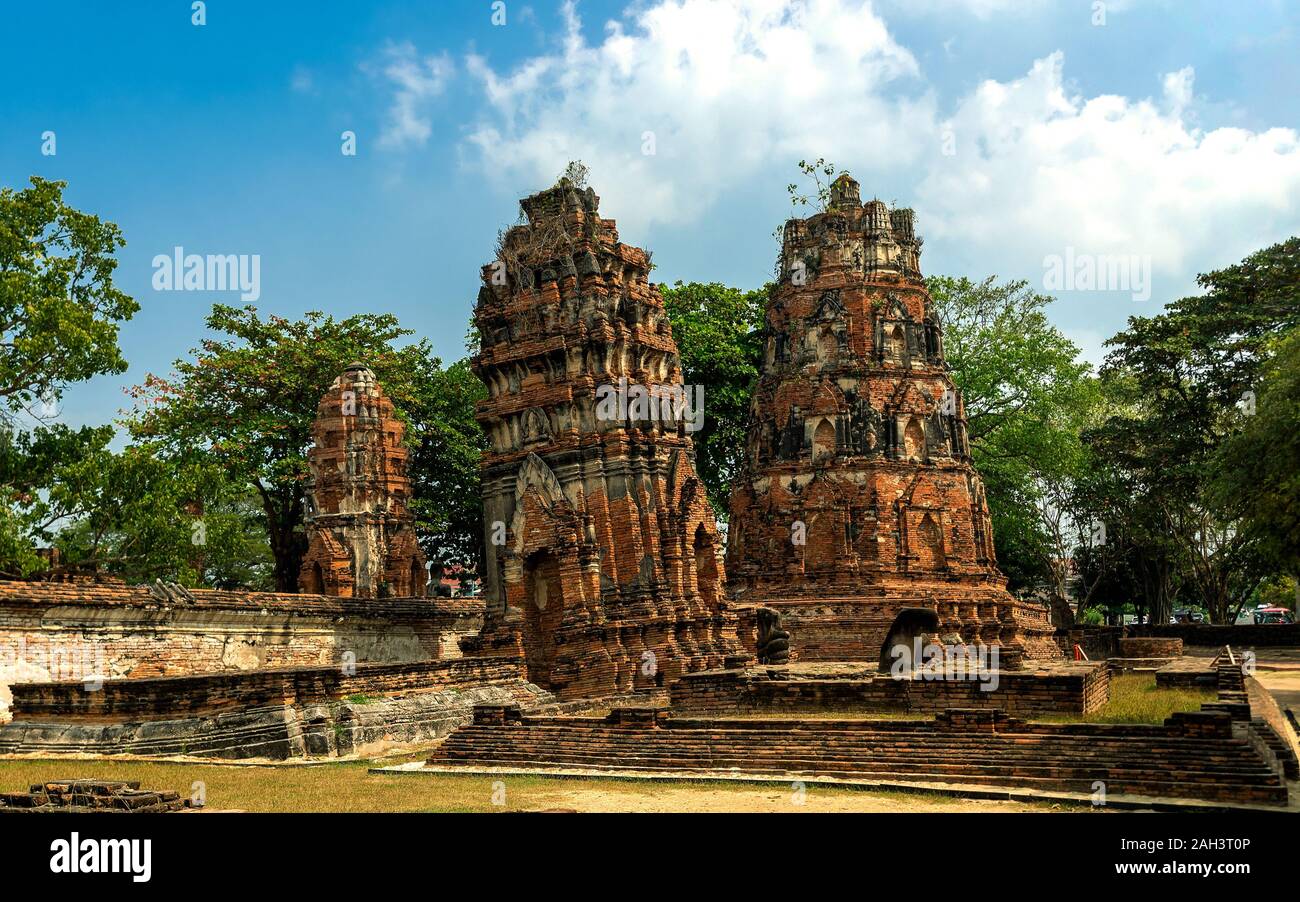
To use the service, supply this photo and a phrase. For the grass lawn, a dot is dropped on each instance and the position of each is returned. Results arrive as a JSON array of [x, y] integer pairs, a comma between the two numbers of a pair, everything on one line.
[[1135, 698], [347, 787]]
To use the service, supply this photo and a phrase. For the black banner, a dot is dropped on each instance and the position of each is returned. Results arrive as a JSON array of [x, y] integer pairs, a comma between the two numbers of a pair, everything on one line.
[[743, 852]]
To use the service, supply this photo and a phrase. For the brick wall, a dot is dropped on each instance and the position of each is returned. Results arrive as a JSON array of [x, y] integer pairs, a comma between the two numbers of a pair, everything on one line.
[[75, 631], [1149, 647], [169, 698], [1076, 689]]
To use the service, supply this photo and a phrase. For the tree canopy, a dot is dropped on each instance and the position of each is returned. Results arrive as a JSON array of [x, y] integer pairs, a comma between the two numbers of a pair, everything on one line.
[[247, 403], [59, 308], [717, 330]]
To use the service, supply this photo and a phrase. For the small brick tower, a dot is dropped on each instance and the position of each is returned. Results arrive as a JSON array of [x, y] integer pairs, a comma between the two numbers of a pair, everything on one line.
[[602, 552], [360, 536], [858, 497]]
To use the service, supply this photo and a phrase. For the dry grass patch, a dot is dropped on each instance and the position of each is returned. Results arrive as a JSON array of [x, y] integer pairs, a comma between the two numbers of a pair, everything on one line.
[[348, 787]]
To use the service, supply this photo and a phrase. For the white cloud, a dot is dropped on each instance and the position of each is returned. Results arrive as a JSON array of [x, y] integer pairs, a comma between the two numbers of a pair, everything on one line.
[[736, 91], [416, 80], [980, 9], [1178, 89], [725, 86], [1038, 170]]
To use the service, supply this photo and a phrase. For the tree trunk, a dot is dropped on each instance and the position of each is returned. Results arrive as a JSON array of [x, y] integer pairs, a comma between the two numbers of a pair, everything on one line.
[[288, 542], [288, 547]]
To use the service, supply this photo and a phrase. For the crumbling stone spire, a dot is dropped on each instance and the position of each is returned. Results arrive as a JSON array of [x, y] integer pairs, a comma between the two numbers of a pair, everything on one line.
[[858, 497], [361, 539], [603, 564]]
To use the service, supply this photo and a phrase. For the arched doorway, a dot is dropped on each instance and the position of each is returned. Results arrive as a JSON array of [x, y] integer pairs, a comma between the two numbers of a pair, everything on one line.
[[418, 578], [543, 613], [706, 566], [314, 584]]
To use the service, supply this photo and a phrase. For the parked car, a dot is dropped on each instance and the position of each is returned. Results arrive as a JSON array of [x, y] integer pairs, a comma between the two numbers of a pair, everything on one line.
[[1274, 615]]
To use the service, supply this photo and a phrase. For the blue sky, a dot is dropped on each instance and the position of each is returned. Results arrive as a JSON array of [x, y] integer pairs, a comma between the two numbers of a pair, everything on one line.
[[1166, 132]]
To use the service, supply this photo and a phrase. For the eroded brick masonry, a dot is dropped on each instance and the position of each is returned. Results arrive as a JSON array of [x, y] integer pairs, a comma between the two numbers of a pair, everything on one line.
[[360, 535], [858, 497], [602, 564]]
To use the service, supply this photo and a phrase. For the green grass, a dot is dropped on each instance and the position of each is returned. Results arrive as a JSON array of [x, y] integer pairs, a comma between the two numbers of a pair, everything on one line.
[[1135, 698]]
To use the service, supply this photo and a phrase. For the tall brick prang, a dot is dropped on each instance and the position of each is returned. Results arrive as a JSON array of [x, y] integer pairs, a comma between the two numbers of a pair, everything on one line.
[[858, 497], [360, 535], [602, 554]]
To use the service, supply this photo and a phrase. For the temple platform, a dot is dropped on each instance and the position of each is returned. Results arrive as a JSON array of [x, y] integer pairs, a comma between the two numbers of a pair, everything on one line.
[[1046, 687]]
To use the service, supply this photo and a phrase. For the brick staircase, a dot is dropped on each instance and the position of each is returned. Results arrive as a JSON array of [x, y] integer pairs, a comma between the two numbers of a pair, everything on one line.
[[1194, 756]]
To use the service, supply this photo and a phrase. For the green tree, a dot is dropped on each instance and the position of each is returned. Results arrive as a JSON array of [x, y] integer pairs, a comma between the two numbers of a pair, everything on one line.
[[32, 464], [447, 500], [717, 330], [1256, 471], [59, 308], [1028, 399], [59, 319], [1136, 562], [247, 403], [1186, 370], [133, 513]]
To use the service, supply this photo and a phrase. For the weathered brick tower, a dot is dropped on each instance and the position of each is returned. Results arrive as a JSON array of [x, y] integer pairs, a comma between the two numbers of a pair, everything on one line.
[[858, 497], [360, 536], [602, 564]]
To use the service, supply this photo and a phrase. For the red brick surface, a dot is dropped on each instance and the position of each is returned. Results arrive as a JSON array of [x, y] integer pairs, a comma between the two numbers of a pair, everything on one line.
[[361, 540], [602, 552], [857, 445]]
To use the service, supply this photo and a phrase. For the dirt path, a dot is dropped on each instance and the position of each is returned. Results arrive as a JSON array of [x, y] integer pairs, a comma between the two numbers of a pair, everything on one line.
[[669, 798]]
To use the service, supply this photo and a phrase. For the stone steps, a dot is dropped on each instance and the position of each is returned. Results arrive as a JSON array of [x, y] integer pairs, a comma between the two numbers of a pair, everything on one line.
[[1246, 766], [1280, 747], [1142, 760], [951, 771], [1124, 784], [927, 741], [829, 750]]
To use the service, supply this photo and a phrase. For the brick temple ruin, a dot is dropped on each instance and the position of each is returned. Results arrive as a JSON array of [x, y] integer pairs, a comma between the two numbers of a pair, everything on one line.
[[858, 498], [603, 565], [858, 522], [360, 535]]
